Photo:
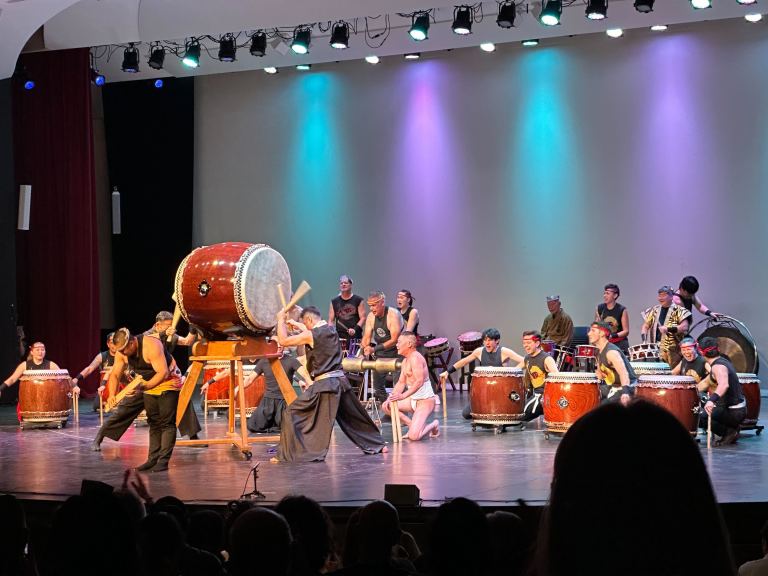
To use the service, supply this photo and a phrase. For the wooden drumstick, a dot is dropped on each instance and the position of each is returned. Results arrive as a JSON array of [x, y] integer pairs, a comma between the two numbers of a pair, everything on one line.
[[282, 295], [301, 291], [176, 315], [709, 430]]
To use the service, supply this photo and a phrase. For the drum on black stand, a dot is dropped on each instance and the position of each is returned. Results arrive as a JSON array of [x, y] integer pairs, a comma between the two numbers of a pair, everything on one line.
[[734, 341]]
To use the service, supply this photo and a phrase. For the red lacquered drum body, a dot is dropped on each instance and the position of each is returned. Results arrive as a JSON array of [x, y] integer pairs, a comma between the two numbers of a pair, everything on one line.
[[750, 384], [44, 396], [650, 368], [497, 395], [217, 395], [567, 397], [231, 288], [678, 394]]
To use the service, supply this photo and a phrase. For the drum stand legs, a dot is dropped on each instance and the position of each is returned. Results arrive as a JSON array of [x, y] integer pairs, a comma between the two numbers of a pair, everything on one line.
[[368, 399]]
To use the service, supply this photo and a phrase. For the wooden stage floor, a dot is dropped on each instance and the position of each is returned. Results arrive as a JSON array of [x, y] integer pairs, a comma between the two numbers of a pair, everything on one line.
[[489, 468]]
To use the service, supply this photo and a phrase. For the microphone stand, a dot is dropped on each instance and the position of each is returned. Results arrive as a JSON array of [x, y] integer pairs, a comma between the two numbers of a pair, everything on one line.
[[254, 494]]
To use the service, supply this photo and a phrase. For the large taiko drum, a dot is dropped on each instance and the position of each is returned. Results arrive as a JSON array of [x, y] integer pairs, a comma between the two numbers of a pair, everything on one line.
[[567, 397], [497, 396], [750, 384], [231, 288], [678, 394], [217, 395], [45, 396], [650, 368]]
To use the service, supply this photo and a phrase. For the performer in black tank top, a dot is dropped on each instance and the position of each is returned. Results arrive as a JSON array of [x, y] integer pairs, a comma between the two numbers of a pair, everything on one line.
[[686, 296], [305, 432], [613, 367], [537, 365], [726, 405], [382, 328], [347, 312], [408, 312], [616, 316], [35, 361]]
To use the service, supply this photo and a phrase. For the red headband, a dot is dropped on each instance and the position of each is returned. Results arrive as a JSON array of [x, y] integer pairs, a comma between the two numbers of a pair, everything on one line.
[[604, 329], [708, 349], [532, 337]]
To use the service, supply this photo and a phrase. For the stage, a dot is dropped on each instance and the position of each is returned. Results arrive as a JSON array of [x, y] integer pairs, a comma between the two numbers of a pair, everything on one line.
[[493, 469]]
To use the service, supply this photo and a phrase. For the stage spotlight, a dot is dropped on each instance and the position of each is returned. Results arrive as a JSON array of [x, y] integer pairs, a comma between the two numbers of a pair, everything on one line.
[[551, 12], [462, 20], [488, 47], [419, 26], [597, 9], [130, 59], [29, 84], [658, 27], [340, 36], [159, 83], [412, 56], [745, 2], [701, 4], [507, 13], [615, 32], [258, 44], [97, 78], [156, 57], [20, 74], [191, 57], [372, 59], [270, 70], [302, 38], [644, 6], [227, 48], [303, 66], [754, 18], [531, 42]]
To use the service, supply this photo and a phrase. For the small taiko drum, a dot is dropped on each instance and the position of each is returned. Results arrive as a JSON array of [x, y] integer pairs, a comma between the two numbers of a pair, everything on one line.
[[645, 352], [217, 395], [548, 346], [231, 288], [45, 396], [497, 396], [750, 384], [567, 397], [469, 342], [435, 347], [650, 368], [678, 394], [586, 358], [563, 356]]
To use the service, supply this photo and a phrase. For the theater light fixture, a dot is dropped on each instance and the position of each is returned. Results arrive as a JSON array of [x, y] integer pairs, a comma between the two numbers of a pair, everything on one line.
[[746, 2], [507, 13], [644, 6], [488, 47], [303, 66], [701, 4], [156, 57], [340, 35], [159, 83], [419, 26], [97, 78], [227, 48], [551, 12], [191, 57], [658, 28], [20, 74], [302, 38], [130, 59], [372, 59], [258, 43], [531, 42], [615, 32], [754, 18], [462, 20], [412, 56], [597, 9], [270, 70]]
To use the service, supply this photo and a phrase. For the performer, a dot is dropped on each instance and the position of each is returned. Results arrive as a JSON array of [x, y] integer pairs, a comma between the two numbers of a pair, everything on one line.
[[347, 312], [686, 297], [162, 329], [102, 361], [693, 364], [408, 312], [35, 361], [489, 354], [726, 405], [666, 323], [557, 326], [413, 391], [537, 364], [308, 422], [382, 326], [616, 315], [613, 368]]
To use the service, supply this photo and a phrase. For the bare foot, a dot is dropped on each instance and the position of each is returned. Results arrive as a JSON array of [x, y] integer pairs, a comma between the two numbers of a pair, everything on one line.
[[384, 450], [435, 432], [274, 460]]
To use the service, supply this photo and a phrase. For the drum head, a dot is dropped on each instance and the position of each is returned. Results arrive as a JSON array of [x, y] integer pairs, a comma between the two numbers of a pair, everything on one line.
[[734, 344], [259, 272]]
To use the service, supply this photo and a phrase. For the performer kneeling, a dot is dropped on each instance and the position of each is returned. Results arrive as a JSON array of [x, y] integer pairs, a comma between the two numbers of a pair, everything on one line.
[[537, 365], [726, 405], [613, 368], [413, 391], [305, 431]]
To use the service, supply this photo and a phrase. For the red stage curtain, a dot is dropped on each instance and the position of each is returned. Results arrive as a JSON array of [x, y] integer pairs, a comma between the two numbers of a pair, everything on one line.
[[57, 259]]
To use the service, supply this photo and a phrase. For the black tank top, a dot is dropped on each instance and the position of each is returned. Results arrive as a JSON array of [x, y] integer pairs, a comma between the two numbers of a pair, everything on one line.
[[696, 369], [612, 377], [46, 365], [734, 394], [492, 359], [687, 302], [141, 367], [381, 334], [325, 354], [613, 317], [107, 360], [406, 315], [346, 312], [535, 369]]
